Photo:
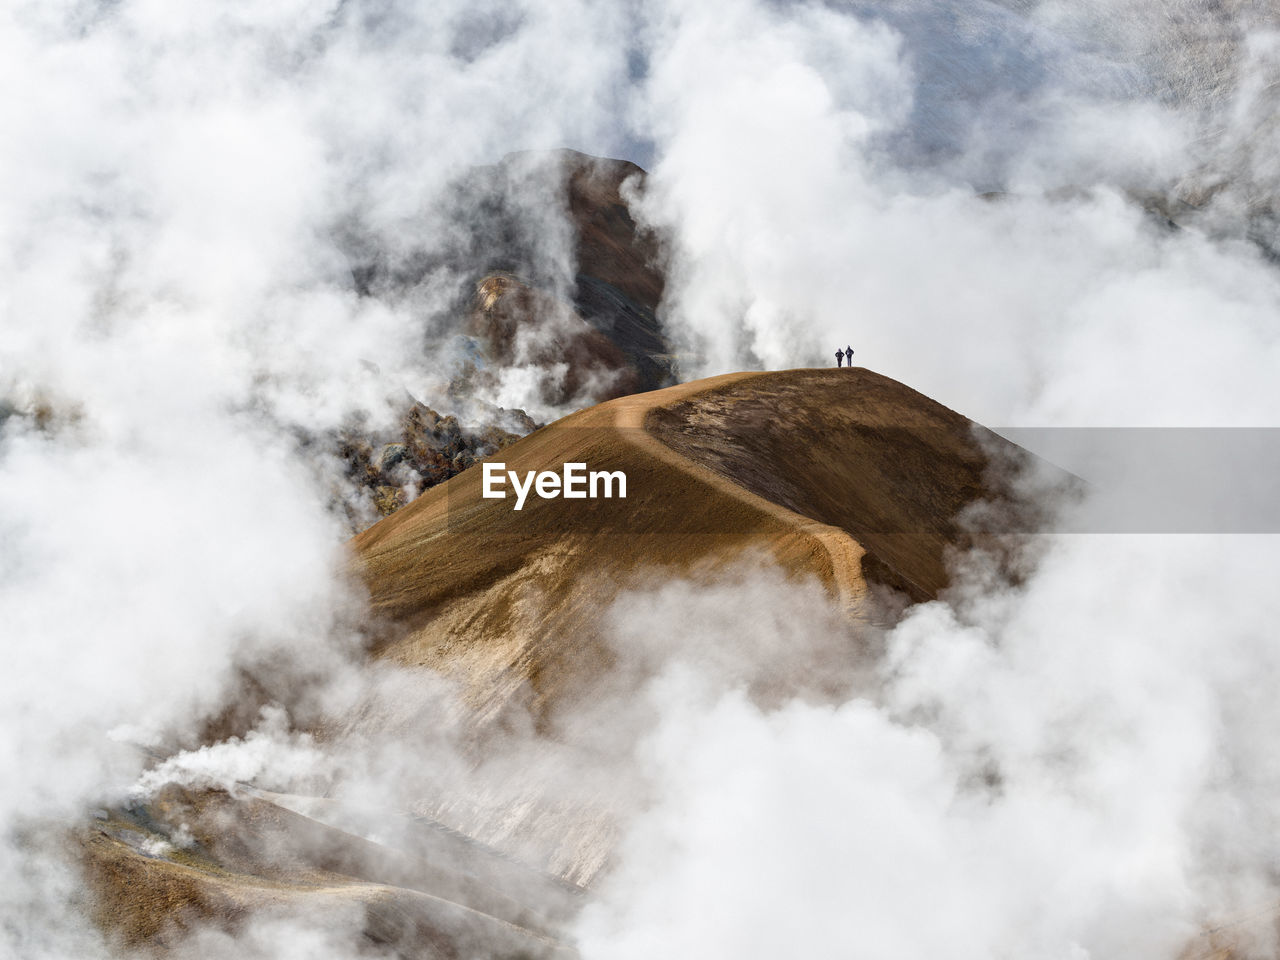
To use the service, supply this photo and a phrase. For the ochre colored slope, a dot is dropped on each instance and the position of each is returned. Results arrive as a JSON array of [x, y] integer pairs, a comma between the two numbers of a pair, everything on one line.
[[840, 474]]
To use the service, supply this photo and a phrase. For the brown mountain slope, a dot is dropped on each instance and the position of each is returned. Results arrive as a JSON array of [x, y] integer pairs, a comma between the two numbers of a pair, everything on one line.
[[841, 474], [844, 476], [870, 456], [253, 857]]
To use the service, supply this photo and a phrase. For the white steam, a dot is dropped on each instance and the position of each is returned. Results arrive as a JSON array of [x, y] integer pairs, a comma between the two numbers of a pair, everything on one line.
[[1053, 771], [1082, 765], [807, 217], [1075, 767], [177, 187]]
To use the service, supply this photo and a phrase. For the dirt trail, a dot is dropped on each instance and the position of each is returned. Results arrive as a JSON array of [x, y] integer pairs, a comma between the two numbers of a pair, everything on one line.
[[629, 415]]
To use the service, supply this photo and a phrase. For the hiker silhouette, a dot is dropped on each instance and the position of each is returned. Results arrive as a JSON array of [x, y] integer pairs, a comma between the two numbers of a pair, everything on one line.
[[848, 355], [839, 357]]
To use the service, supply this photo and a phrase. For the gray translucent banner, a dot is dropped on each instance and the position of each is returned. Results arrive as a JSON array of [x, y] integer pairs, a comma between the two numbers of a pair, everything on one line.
[[876, 479], [1156, 480]]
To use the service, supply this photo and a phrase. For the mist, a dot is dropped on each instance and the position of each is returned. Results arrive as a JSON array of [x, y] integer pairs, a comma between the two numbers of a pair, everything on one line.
[[1041, 214], [1044, 216]]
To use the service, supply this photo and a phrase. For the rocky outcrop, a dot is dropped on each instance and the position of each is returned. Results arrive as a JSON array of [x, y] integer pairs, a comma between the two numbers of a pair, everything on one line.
[[595, 338], [395, 467], [561, 287], [555, 277]]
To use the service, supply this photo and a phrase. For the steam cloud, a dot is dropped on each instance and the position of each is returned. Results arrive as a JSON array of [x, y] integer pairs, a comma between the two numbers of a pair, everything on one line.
[[1045, 214]]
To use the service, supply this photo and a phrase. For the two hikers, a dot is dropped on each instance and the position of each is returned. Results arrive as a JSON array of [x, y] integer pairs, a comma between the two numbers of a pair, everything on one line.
[[841, 354]]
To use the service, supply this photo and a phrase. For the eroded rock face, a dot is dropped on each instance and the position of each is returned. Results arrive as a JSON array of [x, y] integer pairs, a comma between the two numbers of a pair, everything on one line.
[[577, 308], [560, 295], [576, 361], [426, 449]]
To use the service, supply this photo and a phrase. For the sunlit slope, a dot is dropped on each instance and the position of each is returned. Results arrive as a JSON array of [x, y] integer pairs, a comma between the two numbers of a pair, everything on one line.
[[844, 475]]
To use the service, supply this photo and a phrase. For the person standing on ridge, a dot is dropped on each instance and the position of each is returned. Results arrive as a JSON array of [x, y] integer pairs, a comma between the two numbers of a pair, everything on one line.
[[848, 355], [839, 357]]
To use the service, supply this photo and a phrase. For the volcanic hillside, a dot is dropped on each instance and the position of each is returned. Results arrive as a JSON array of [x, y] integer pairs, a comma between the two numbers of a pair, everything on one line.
[[843, 477]]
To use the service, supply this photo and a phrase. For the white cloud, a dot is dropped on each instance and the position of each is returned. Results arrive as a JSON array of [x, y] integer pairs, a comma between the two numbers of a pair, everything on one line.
[[174, 187]]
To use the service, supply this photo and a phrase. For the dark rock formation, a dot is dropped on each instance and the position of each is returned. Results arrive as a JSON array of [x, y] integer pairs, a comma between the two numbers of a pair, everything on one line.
[[425, 449], [558, 281]]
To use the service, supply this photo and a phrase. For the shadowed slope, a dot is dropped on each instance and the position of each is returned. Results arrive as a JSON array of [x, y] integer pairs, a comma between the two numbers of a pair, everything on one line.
[[852, 449]]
